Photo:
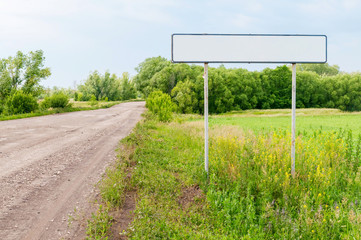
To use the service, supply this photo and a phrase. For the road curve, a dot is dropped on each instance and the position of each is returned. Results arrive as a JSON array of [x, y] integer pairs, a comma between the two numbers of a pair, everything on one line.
[[49, 166]]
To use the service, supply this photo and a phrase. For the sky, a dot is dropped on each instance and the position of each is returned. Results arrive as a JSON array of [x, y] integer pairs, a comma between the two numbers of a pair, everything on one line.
[[81, 36]]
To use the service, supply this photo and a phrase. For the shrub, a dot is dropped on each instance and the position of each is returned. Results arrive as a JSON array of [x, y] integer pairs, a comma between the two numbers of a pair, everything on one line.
[[2, 106], [58, 100], [161, 105], [80, 97], [76, 96], [20, 102], [100, 224], [93, 101], [45, 104]]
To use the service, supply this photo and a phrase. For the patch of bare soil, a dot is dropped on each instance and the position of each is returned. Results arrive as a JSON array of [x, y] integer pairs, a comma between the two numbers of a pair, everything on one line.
[[189, 195], [123, 217]]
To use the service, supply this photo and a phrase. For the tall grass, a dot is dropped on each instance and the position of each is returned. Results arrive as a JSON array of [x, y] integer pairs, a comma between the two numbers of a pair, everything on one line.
[[252, 193], [249, 193]]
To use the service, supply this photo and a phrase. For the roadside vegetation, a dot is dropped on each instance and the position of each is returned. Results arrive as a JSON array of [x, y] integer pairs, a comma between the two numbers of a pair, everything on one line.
[[308, 120], [72, 107], [318, 86], [249, 193], [22, 95]]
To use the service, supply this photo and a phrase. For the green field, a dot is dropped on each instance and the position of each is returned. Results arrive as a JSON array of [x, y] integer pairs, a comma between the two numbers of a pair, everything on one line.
[[249, 193], [306, 120]]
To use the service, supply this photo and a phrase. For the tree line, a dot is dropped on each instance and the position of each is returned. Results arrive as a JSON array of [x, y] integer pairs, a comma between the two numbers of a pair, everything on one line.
[[106, 87], [318, 86]]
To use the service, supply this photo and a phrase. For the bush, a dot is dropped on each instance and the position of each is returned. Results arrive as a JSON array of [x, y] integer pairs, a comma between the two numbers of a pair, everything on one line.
[[161, 105], [58, 100], [2, 106], [80, 97], [93, 101], [20, 103], [76, 96]]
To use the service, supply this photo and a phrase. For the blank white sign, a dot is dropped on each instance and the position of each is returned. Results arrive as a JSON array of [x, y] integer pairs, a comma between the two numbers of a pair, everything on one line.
[[251, 48]]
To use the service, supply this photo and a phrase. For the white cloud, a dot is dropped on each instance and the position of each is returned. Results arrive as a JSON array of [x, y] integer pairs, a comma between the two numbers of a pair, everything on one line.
[[318, 7], [34, 20], [44, 19], [25, 28], [351, 4], [148, 11], [40, 8], [256, 7], [243, 21], [329, 7]]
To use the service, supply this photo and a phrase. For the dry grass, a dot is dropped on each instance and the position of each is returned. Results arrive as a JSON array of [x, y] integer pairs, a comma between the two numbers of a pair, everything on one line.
[[87, 104]]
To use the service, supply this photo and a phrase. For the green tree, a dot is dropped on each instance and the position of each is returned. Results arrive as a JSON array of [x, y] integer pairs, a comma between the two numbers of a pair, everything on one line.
[[320, 69], [146, 70], [185, 97], [23, 72], [127, 88], [354, 93], [279, 84], [309, 91], [166, 79], [245, 87], [101, 86], [220, 97]]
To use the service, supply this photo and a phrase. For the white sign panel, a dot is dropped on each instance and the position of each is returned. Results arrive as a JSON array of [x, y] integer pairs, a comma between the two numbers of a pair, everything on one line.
[[251, 48]]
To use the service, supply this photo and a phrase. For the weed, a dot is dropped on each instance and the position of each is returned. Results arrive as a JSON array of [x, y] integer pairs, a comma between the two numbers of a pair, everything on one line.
[[99, 225], [250, 193]]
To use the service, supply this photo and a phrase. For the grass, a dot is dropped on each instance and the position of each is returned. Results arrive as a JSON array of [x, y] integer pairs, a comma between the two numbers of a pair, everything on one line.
[[307, 120], [249, 193], [75, 106], [284, 112], [99, 224], [87, 104]]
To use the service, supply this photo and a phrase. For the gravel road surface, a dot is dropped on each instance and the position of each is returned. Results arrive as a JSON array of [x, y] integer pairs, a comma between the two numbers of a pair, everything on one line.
[[49, 167]]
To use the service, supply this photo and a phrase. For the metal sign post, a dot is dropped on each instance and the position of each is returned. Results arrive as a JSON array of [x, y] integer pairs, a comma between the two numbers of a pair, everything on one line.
[[249, 48], [205, 76], [293, 119]]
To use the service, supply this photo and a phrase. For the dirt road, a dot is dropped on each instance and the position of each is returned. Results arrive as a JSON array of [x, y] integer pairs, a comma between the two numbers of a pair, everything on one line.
[[49, 166]]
